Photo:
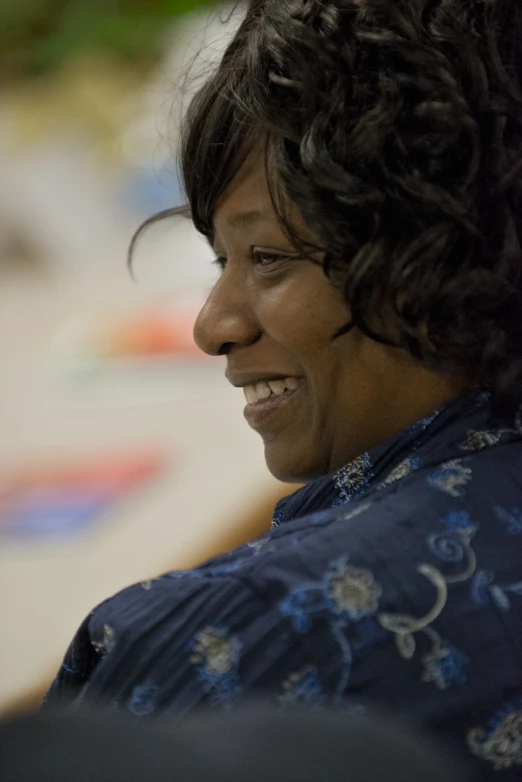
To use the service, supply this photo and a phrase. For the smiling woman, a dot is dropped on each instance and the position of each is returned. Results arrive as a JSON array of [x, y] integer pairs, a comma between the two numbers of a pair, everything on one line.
[[357, 167], [275, 315]]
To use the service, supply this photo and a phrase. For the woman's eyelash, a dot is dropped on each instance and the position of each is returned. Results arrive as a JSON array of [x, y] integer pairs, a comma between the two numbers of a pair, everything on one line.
[[260, 256]]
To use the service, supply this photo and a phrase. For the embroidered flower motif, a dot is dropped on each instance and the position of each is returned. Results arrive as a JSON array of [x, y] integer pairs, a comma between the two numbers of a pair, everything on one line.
[[424, 422], [513, 519], [344, 595], [500, 594], [404, 627], [445, 666], [224, 570], [477, 440], [215, 651], [278, 519], [354, 591], [216, 658], [451, 478], [499, 597], [179, 574], [447, 546], [454, 545], [146, 584], [480, 586], [485, 592], [319, 516], [501, 743], [364, 506], [295, 606], [302, 687], [143, 699], [352, 479], [257, 544], [401, 471], [107, 643], [459, 521]]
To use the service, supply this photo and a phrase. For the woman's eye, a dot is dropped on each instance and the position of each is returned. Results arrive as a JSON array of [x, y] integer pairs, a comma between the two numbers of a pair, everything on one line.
[[265, 259], [220, 262]]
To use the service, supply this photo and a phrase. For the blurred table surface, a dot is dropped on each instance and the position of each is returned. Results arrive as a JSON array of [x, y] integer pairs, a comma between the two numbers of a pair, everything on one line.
[[215, 473]]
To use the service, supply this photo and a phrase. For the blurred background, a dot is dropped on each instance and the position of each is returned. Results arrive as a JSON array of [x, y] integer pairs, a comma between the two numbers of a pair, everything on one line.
[[123, 451]]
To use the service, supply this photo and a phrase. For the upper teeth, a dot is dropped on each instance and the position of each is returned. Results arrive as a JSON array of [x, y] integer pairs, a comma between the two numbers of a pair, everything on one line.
[[263, 390]]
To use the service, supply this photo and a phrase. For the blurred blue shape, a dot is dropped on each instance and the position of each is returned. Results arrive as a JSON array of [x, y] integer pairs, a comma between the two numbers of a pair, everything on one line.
[[146, 191]]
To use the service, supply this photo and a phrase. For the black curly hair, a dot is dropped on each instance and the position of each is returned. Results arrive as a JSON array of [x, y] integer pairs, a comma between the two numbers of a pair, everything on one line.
[[395, 128]]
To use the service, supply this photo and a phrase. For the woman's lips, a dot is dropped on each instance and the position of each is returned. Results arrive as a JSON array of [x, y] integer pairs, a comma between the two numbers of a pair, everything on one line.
[[259, 413], [262, 389]]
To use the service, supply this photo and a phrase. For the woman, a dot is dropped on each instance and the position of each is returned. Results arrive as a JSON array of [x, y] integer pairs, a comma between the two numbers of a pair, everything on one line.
[[357, 167]]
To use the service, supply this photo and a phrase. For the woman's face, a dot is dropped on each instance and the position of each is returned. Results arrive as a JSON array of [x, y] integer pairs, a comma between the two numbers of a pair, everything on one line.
[[316, 401]]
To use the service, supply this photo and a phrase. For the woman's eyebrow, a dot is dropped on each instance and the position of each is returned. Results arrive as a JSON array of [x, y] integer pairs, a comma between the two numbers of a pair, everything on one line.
[[241, 219]]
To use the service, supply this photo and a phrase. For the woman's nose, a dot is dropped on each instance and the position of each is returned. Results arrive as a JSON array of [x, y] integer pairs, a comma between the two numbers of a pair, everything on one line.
[[226, 319]]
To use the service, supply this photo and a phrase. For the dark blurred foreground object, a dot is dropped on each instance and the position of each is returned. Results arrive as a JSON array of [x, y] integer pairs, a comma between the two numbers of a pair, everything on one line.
[[248, 746]]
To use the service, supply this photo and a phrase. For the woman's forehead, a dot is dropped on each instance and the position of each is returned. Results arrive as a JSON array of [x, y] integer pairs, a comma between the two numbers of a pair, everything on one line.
[[250, 201], [246, 201]]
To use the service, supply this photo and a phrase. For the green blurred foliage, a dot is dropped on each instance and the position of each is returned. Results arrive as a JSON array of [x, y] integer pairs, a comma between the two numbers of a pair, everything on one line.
[[36, 36]]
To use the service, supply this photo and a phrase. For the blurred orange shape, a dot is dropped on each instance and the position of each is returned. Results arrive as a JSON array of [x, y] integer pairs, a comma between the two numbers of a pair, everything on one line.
[[153, 335]]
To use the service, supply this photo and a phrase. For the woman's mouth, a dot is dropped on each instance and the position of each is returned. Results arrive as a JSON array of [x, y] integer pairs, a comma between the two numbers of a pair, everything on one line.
[[259, 392], [268, 397]]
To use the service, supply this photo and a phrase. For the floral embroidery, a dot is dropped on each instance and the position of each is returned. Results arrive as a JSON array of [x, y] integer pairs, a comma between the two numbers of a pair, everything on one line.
[[107, 643], [278, 519], [319, 516], [460, 521], [451, 478], [146, 584], [326, 515], [354, 592], [213, 570], [454, 545], [224, 570], [424, 422], [485, 592], [215, 650], [143, 699], [445, 666], [345, 591], [447, 546], [302, 687], [477, 440], [501, 742], [179, 574], [352, 479], [345, 595], [258, 544], [404, 627], [513, 519], [500, 594], [402, 470], [216, 658], [480, 586], [364, 506]]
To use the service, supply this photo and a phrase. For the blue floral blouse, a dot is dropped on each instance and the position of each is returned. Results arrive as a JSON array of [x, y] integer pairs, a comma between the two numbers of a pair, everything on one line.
[[396, 582]]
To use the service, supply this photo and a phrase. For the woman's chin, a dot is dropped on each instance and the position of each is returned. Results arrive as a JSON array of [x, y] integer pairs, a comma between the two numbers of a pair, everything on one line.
[[286, 466]]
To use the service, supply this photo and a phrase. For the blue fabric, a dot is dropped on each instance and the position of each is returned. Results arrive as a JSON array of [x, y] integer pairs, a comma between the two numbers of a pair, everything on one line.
[[396, 582]]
